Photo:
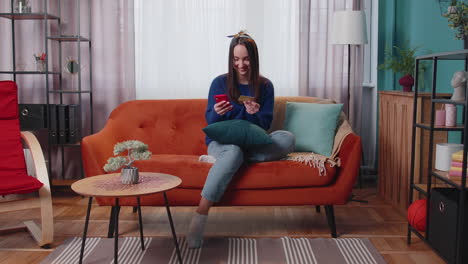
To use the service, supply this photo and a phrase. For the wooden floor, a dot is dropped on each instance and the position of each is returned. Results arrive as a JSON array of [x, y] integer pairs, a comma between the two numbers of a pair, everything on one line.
[[376, 220]]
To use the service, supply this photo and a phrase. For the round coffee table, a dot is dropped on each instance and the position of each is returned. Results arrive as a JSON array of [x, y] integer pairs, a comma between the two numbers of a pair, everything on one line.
[[110, 186]]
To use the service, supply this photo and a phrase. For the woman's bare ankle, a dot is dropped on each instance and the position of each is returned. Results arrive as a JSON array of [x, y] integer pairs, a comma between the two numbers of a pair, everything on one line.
[[204, 206]]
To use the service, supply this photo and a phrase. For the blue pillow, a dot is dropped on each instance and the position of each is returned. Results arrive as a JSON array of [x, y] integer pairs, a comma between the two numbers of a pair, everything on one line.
[[314, 126], [238, 132]]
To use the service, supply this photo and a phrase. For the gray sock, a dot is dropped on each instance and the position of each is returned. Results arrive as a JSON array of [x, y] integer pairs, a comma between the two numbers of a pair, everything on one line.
[[195, 233]]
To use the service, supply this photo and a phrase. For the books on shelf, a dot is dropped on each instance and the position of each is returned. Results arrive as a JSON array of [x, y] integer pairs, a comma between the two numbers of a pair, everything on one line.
[[456, 165], [65, 125]]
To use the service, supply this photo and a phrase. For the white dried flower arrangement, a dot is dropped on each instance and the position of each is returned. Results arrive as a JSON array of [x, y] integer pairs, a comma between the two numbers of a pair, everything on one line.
[[137, 150]]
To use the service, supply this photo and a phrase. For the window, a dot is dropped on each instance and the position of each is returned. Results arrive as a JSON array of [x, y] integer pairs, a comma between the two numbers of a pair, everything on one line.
[[181, 45]]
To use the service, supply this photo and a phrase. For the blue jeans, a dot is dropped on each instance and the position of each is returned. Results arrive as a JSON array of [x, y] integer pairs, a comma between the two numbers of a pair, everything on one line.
[[230, 157]]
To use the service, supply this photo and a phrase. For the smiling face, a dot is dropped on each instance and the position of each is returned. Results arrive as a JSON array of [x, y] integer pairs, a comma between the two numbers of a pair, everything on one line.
[[241, 62]]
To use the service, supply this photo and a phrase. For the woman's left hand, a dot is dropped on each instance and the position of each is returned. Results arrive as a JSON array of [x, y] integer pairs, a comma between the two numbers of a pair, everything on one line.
[[251, 107]]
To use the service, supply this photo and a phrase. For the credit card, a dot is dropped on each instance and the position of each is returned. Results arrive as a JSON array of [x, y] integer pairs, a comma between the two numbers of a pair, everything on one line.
[[244, 98]]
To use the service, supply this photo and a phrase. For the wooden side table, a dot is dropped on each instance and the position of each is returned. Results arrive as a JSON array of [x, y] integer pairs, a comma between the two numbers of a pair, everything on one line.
[[395, 129], [110, 186]]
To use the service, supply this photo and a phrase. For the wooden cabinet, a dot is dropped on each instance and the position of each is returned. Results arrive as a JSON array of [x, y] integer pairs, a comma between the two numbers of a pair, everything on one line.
[[395, 138]]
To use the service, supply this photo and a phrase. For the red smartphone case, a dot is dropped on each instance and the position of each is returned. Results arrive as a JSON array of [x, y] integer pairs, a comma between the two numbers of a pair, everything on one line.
[[221, 97]]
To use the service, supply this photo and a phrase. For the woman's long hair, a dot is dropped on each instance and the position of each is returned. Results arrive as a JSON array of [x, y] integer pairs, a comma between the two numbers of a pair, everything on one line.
[[255, 79]]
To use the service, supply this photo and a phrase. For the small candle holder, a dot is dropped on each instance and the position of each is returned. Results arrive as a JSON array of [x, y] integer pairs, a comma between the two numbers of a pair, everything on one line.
[[40, 62], [40, 65]]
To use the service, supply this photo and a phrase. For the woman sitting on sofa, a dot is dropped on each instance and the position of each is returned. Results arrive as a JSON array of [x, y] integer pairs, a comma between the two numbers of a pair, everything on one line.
[[243, 78]]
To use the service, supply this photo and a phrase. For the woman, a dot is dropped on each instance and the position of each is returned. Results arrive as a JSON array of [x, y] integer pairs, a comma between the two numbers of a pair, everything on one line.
[[243, 78]]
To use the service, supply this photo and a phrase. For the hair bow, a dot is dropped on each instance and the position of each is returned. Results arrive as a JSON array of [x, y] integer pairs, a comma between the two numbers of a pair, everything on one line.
[[241, 34]]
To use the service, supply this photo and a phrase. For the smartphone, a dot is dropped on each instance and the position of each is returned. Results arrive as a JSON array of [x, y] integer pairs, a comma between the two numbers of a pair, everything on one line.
[[222, 97]]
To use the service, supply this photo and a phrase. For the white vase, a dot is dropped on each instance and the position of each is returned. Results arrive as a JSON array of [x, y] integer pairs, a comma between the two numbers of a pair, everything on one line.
[[40, 65], [451, 10], [129, 175]]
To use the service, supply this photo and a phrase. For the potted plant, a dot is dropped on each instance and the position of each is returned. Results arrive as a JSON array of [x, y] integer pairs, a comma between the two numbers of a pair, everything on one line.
[[136, 150], [457, 15], [401, 61]]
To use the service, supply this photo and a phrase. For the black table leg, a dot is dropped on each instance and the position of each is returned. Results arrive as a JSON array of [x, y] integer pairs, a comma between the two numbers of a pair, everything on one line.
[[141, 224], [83, 240], [110, 233], [116, 235], [174, 236]]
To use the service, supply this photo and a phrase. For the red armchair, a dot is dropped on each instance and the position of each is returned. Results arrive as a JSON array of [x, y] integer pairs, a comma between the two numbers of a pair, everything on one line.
[[14, 178]]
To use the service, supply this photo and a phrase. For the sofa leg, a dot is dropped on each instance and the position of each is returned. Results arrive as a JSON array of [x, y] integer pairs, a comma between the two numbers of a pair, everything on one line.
[[317, 208], [331, 219]]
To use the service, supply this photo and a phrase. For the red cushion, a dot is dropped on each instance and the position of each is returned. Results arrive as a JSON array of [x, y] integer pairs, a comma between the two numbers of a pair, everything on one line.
[[13, 173], [263, 175], [8, 100], [17, 183]]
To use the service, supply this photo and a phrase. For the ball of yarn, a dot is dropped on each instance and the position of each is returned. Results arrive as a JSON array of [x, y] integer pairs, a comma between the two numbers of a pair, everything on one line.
[[417, 215]]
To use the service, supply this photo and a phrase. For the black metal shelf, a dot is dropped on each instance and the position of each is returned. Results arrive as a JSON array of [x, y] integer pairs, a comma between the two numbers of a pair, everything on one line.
[[448, 101], [28, 16], [458, 127], [28, 72], [419, 189], [452, 55], [67, 144], [423, 238], [436, 178], [54, 89], [442, 175], [69, 38], [68, 91]]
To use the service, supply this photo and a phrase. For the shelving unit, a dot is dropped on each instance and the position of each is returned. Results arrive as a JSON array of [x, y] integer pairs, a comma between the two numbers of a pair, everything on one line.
[[55, 94], [436, 178]]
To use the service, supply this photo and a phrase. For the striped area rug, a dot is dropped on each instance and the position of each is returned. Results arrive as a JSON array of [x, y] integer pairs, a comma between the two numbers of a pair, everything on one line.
[[221, 250]]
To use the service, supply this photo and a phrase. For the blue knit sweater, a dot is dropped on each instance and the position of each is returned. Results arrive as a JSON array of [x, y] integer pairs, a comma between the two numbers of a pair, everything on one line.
[[262, 118]]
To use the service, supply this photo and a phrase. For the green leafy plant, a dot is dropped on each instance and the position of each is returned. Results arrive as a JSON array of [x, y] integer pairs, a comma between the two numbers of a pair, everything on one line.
[[399, 60], [136, 150], [458, 18]]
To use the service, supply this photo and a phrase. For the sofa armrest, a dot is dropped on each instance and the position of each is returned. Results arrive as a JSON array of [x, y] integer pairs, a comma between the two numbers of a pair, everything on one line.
[[350, 156], [95, 150]]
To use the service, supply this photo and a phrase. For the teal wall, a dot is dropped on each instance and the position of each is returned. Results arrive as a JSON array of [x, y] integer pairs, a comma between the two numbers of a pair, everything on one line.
[[418, 23]]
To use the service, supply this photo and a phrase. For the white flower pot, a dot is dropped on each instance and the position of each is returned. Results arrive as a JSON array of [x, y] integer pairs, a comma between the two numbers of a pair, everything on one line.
[[451, 10]]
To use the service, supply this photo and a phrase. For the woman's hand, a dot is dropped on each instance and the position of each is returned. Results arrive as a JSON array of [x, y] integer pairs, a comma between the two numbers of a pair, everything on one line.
[[222, 107], [251, 107]]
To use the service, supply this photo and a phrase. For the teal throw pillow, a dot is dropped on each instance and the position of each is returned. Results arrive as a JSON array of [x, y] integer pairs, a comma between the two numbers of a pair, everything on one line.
[[238, 132], [314, 126]]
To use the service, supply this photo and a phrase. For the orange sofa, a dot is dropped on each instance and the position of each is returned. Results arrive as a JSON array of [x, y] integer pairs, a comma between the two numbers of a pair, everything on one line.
[[173, 131]]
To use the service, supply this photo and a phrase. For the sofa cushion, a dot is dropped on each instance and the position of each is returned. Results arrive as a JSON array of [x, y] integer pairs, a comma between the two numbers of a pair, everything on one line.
[[264, 175], [314, 126], [238, 132]]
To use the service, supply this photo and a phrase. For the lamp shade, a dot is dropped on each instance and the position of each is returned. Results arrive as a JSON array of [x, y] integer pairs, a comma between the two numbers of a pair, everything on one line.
[[349, 27]]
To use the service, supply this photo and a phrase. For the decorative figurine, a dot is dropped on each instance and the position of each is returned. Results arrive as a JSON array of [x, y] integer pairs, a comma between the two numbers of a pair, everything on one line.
[[22, 6], [459, 85]]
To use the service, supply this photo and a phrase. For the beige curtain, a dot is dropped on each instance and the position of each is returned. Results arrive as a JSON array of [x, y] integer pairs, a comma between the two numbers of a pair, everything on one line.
[[323, 70]]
